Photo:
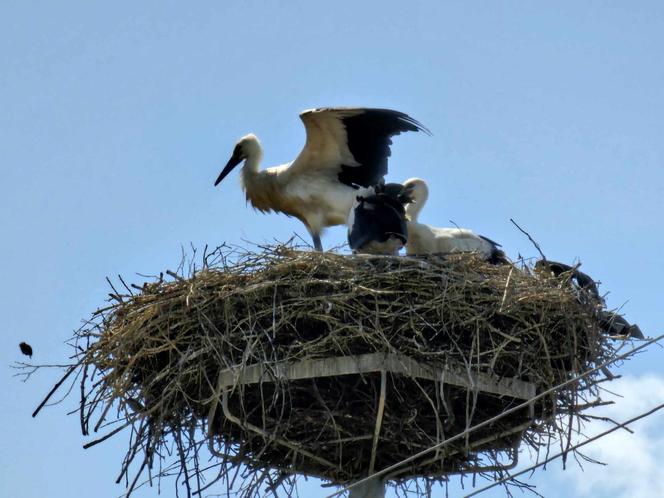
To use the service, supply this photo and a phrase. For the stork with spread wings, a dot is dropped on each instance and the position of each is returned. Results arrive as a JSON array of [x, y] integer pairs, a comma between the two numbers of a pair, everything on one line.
[[346, 148]]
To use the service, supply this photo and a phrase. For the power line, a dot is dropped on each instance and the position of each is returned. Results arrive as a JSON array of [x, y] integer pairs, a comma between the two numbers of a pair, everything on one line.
[[456, 437], [558, 455]]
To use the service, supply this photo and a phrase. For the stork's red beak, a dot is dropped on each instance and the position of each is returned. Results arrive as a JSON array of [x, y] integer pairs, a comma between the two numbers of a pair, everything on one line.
[[232, 162]]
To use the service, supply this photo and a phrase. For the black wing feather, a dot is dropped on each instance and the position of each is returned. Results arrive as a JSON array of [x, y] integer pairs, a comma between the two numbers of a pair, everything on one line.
[[497, 256], [369, 139]]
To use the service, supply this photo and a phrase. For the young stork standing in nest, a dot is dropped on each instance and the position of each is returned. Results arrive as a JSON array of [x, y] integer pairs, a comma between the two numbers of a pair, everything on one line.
[[377, 220], [425, 239], [346, 148]]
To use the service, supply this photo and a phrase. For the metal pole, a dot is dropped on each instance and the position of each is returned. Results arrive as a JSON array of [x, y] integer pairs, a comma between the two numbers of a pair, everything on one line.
[[372, 488]]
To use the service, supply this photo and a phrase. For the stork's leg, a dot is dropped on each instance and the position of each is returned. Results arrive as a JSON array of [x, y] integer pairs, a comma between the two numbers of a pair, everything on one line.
[[317, 243]]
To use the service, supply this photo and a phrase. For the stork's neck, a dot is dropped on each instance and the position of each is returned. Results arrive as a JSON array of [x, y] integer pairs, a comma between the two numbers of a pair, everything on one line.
[[419, 200], [254, 151], [261, 186]]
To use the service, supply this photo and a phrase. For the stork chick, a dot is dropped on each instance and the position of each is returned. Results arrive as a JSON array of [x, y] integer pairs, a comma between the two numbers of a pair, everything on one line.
[[377, 220], [346, 148], [425, 239]]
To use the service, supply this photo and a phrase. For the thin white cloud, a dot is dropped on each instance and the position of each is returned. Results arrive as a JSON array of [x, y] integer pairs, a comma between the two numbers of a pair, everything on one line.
[[634, 461]]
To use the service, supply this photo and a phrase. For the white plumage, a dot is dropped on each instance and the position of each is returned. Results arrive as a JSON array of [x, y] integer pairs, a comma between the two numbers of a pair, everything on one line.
[[346, 148], [425, 239]]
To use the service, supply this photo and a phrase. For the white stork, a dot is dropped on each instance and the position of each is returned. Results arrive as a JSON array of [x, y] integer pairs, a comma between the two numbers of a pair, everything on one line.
[[346, 148], [425, 239], [377, 220]]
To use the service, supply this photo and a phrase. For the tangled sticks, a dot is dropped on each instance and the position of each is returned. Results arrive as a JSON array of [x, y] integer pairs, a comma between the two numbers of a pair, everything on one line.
[[321, 364]]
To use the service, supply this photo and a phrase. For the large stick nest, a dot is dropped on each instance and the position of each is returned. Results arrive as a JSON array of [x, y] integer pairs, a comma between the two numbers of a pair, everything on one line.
[[157, 356]]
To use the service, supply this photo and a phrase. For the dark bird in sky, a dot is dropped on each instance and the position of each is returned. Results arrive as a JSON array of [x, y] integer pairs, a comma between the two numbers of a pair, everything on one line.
[[26, 349]]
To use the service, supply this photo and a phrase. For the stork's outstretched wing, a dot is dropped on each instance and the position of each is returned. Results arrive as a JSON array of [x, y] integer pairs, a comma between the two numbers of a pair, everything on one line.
[[353, 143]]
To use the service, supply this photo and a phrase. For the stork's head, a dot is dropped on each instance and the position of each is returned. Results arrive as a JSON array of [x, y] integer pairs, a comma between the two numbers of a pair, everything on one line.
[[418, 190], [248, 147]]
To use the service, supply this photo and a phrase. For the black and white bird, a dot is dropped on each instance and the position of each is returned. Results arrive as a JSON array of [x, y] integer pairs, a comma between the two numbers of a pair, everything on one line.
[[377, 220], [425, 239], [346, 148], [610, 322]]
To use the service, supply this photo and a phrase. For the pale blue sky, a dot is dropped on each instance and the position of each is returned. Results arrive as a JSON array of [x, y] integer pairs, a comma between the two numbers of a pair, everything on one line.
[[115, 119]]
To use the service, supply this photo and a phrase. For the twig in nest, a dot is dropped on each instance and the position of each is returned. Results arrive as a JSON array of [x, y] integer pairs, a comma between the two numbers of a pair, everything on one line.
[[537, 246]]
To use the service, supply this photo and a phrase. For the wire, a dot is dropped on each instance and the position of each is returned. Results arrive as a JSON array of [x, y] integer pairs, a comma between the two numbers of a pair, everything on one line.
[[557, 455], [395, 466]]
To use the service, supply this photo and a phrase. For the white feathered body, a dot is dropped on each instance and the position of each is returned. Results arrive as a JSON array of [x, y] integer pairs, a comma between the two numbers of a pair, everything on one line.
[[425, 239], [305, 196]]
